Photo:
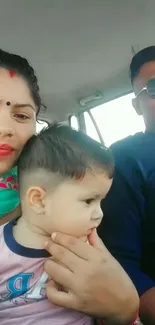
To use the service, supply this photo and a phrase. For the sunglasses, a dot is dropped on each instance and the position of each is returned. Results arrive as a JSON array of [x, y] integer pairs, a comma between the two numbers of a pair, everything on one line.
[[149, 88]]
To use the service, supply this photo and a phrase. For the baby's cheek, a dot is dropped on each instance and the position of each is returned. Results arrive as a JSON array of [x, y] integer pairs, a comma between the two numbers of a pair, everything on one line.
[[74, 226]]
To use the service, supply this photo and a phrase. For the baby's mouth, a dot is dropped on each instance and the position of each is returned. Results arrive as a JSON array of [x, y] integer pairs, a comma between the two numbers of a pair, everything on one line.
[[84, 238], [90, 231]]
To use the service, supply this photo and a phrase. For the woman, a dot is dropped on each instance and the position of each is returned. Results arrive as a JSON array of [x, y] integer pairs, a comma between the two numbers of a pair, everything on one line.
[[20, 104], [98, 275]]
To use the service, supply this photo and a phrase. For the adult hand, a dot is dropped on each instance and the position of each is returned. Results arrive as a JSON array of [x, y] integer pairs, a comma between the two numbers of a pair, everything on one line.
[[147, 307], [96, 283]]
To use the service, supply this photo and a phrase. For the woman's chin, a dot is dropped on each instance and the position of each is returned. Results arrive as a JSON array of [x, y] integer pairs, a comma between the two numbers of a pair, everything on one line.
[[5, 166]]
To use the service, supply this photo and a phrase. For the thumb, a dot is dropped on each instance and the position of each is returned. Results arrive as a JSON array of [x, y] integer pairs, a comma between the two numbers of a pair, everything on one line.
[[95, 240]]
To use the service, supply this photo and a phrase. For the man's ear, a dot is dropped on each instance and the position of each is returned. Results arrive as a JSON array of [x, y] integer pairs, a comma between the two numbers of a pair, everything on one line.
[[136, 106], [36, 196]]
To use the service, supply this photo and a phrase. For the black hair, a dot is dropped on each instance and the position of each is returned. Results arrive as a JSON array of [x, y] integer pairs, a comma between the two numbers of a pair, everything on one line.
[[60, 149], [144, 56], [20, 65]]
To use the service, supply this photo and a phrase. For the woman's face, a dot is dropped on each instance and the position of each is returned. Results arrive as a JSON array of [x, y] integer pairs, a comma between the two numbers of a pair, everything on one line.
[[17, 118]]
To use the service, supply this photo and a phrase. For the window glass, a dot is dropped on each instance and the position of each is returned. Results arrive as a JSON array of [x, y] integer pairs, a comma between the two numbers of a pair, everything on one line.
[[40, 125], [74, 122], [90, 127], [116, 120]]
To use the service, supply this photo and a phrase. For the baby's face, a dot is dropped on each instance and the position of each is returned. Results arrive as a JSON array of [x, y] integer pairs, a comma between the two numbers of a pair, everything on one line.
[[74, 206]]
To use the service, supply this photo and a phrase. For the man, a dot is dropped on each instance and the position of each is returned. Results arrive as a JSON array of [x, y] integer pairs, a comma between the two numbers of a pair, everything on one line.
[[128, 228]]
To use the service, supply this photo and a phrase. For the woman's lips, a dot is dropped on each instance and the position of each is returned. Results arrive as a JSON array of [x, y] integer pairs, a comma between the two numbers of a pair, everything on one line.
[[5, 150]]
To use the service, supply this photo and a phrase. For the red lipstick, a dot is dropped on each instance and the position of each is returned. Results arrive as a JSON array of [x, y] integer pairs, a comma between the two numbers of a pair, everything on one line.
[[5, 150]]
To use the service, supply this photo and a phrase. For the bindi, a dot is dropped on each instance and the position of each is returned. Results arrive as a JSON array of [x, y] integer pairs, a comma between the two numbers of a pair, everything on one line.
[[8, 103], [12, 73]]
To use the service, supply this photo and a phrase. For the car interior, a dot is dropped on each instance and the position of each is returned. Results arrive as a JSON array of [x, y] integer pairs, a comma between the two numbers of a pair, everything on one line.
[[81, 52]]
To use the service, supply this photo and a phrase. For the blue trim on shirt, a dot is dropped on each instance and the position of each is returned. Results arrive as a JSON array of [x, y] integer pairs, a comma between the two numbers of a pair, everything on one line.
[[18, 249]]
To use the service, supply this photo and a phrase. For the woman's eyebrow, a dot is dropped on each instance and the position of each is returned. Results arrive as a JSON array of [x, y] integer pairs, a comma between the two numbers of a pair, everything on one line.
[[18, 105]]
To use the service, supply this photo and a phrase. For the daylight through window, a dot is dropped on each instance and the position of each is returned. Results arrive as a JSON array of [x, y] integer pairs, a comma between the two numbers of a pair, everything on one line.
[[40, 125], [116, 120]]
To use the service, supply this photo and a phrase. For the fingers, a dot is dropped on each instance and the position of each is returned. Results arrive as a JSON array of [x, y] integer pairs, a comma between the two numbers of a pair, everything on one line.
[[96, 241], [64, 256], [59, 273], [60, 298], [80, 248], [75, 246]]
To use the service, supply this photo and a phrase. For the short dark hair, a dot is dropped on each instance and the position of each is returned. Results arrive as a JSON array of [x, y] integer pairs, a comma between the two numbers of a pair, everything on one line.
[[19, 64], [144, 56], [61, 149]]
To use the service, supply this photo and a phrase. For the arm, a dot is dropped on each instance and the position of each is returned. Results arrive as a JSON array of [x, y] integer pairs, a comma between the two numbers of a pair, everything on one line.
[[121, 231]]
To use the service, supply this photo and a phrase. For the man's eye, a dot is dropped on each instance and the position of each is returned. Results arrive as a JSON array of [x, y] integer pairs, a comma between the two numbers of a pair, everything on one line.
[[89, 201]]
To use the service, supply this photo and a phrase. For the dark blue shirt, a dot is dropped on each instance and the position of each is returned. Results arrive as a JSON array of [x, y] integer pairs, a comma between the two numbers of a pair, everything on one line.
[[128, 227]]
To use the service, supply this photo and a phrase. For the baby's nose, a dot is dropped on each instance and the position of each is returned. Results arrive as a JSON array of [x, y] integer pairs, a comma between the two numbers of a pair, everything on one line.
[[97, 216]]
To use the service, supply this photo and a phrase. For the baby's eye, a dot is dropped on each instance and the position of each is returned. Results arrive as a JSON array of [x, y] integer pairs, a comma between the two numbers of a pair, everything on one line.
[[89, 201]]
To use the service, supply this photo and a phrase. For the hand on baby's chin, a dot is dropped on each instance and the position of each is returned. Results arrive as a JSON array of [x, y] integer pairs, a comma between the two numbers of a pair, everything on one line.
[[88, 238], [60, 287]]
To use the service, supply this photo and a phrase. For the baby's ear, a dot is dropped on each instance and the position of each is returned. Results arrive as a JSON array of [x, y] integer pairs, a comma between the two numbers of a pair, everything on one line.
[[36, 197]]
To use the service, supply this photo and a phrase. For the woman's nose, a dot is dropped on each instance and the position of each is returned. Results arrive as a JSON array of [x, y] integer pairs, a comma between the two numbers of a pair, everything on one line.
[[6, 132], [6, 123]]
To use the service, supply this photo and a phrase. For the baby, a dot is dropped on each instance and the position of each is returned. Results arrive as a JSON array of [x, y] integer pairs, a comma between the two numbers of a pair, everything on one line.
[[63, 176]]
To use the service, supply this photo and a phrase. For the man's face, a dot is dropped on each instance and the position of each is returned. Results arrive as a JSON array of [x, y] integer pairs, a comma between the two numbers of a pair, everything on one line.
[[74, 206], [143, 104]]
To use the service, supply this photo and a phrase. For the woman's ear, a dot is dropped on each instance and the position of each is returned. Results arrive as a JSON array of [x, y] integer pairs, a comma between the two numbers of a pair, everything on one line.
[[136, 106], [36, 196]]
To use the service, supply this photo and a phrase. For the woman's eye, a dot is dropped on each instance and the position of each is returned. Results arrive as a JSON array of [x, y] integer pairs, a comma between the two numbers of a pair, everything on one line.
[[89, 201], [21, 116]]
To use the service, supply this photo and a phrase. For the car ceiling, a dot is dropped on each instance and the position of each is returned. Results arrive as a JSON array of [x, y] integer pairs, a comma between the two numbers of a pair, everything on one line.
[[77, 47]]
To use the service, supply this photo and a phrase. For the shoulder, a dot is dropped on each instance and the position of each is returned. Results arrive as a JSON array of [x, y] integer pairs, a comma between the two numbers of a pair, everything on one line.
[[11, 216], [135, 154], [128, 143], [136, 146]]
